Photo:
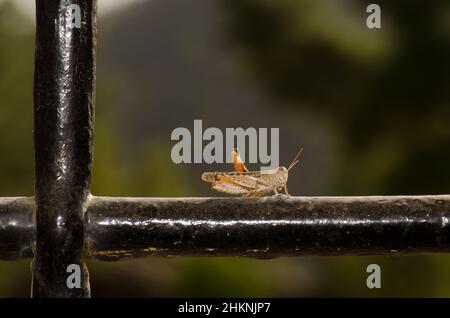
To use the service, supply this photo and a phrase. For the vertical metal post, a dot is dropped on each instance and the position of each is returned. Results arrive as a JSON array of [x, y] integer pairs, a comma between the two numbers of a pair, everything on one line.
[[63, 129]]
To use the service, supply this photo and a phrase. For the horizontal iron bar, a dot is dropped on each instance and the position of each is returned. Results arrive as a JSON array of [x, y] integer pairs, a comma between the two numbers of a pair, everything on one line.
[[257, 227], [267, 227], [17, 229]]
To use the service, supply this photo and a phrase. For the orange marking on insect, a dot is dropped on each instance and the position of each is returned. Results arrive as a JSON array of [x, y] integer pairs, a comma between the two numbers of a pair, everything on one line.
[[238, 163]]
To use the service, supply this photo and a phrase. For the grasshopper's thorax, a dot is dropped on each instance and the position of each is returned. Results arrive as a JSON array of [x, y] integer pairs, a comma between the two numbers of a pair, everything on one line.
[[277, 176]]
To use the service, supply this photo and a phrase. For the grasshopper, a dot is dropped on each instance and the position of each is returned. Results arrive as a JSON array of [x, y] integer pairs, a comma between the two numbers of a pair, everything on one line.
[[250, 183]]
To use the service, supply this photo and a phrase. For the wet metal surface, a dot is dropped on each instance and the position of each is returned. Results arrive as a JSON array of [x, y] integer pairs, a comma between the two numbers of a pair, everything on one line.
[[17, 230], [63, 129], [118, 228], [267, 227]]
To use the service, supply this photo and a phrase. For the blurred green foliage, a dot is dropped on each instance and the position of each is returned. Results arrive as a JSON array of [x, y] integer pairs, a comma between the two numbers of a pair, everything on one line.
[[386, 93], [16, 82]]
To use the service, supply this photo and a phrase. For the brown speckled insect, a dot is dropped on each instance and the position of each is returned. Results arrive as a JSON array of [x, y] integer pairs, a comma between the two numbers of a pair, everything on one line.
[[250, 183]]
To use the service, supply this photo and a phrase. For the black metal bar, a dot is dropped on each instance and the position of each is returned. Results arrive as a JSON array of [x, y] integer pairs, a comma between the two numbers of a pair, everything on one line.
[[63, 129], [17, 230], [267, 227]]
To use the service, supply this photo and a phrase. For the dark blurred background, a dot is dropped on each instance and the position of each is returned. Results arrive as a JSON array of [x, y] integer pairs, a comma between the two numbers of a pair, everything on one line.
[[370, 107]]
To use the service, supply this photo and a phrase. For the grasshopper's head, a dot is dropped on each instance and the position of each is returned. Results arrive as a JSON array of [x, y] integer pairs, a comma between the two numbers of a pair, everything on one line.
[[282, 177], [283, 172]]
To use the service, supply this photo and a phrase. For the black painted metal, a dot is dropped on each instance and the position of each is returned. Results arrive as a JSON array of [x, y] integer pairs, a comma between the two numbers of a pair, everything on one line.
[[63, 128], [267, 227], [117, 228], [17, 230]]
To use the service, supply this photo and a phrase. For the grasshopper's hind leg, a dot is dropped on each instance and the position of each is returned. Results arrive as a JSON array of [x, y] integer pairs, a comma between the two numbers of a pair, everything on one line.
[[252, 193], [258, 192]]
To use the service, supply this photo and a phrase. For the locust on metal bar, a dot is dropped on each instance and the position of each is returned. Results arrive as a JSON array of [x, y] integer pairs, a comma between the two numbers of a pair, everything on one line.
[[250, 183]]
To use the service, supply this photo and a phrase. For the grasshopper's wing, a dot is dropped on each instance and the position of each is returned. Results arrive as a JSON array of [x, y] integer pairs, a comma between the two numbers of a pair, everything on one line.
[[210, 177], [238, 163], [245, 182], [234, 184], [227, 187]]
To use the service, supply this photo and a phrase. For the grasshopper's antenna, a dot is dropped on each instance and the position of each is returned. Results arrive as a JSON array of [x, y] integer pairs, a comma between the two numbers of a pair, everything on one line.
[[295, 160]]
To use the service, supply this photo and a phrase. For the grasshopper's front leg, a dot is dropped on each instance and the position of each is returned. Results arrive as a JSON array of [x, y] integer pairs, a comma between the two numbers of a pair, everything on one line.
[[279, 194], [286, 190]]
